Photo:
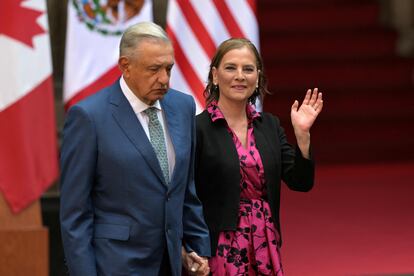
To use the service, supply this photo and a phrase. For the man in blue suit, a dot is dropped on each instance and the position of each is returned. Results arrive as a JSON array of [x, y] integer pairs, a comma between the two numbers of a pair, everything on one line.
[[128, 201]]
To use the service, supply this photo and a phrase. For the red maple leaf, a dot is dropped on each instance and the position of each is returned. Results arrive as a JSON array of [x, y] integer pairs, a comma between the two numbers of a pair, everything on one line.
[[19, 22]]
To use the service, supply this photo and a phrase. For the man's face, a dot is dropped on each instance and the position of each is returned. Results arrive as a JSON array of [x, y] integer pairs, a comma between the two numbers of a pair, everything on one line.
[[147, 71]]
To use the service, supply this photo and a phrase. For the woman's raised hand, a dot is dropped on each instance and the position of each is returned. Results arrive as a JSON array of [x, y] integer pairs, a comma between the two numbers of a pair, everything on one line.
[[304, 116]]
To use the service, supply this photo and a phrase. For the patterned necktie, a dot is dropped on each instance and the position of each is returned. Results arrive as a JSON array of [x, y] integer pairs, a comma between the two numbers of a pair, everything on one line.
[[158, 140]]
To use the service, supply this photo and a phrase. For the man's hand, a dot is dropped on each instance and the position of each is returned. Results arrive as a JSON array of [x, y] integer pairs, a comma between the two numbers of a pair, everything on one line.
[[194, 264]]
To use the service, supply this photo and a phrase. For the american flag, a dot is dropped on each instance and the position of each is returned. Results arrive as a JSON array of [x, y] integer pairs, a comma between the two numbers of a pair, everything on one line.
[[196, 29]]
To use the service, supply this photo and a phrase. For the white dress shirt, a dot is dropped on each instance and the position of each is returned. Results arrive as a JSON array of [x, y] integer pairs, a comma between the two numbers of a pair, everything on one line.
[[139, 107]]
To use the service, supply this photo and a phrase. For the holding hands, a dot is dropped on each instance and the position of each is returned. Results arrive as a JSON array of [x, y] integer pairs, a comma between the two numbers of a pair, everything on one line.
[[194, 264]]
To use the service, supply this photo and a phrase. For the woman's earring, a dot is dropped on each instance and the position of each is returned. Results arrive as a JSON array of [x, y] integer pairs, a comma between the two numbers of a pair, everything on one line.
[[213, 88]]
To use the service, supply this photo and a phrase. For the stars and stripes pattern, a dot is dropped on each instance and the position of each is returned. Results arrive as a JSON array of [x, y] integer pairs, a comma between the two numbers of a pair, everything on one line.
[[196, 29]]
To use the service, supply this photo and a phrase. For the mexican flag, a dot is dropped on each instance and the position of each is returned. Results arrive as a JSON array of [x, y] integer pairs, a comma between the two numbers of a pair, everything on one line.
[[94, 29]]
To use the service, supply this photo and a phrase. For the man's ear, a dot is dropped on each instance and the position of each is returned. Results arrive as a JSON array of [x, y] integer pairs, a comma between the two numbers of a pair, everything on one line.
[[123, 64]]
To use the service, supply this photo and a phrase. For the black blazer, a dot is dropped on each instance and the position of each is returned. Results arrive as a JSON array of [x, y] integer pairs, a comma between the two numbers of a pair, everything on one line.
[[217, 170]]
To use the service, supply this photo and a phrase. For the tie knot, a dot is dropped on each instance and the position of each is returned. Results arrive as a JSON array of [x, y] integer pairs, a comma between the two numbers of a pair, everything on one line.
[[151, 113]]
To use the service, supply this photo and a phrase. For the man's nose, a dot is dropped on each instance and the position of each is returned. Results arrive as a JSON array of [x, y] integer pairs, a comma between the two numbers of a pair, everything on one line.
[[164, 77]]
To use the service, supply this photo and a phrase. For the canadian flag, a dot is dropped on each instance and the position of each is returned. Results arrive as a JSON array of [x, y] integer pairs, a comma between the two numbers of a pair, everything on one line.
[[196, 29], [94, 30], [28, 147]]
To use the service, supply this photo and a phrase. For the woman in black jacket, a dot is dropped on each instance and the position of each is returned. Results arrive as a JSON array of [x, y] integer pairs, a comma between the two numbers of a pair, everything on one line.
[[241, 158]]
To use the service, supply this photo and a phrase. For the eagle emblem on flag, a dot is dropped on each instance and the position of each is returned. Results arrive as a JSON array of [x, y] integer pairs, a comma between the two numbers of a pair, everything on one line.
[[107, 17]]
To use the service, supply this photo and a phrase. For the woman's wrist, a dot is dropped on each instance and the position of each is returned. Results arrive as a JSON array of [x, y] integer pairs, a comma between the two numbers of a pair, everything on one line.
[[303, 142]]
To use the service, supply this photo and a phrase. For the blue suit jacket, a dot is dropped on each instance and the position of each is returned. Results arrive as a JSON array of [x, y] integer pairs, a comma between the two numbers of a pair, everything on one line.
[[117, 213]]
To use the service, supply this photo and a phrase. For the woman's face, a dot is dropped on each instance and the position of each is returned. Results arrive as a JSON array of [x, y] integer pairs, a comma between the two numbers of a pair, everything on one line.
[[236, 75]]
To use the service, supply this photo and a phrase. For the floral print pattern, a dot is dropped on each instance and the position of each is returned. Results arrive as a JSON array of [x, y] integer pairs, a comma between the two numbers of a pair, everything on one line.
[[254, 247]]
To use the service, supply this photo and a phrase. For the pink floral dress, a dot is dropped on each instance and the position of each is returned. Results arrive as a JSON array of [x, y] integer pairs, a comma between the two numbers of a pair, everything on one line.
[[253, 248]]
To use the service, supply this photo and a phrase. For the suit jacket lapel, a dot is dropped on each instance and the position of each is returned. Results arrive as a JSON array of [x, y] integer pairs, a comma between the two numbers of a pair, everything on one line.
[[265, 147], [130, 125], [172, 127]]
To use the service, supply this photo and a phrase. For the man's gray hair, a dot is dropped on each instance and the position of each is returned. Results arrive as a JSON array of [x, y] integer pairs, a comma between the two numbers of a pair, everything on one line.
[[134, 34]]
